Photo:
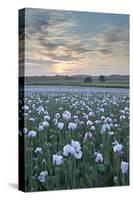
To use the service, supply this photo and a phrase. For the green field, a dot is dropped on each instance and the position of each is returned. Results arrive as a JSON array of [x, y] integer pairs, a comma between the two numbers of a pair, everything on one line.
[[108, 83], [112, 81]]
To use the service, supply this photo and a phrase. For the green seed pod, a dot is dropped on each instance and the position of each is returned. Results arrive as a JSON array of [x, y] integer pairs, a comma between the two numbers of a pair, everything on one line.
[[116, 180], [101, 146]]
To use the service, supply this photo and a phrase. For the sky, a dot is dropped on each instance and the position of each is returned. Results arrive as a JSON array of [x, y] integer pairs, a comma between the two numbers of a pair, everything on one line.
[[73, 43]]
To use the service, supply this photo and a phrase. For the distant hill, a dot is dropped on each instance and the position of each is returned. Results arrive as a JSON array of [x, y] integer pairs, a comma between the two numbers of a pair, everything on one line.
[[118, 77]]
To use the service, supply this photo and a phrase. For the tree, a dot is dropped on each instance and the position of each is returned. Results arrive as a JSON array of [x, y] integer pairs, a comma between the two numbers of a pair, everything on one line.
[[88, 79], [102, 78]]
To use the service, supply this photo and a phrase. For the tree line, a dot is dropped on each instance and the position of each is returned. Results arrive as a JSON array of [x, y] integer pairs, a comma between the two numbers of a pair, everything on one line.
[[89, 79]]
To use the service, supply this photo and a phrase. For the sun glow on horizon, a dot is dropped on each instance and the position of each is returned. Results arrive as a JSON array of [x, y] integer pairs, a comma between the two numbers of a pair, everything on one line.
[[59, 71], [57, 68]]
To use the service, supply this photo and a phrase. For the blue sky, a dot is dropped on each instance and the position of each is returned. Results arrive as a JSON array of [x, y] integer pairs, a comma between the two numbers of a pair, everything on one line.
[[69, 43]]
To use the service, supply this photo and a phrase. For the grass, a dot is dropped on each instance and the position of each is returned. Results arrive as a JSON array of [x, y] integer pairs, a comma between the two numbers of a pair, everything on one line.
[[107, 84]]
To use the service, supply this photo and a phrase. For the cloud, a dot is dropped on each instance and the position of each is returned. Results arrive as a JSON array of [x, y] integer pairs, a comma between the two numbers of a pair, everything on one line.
[[105, 51], [116, 35], [54, 42], [113, 40], [52, 46]]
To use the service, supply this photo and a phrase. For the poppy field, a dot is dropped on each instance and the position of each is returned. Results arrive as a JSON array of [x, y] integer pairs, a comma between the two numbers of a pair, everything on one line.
[[75, 137]]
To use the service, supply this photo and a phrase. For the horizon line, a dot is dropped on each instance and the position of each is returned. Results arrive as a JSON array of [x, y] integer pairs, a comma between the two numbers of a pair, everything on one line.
[[75, 75]]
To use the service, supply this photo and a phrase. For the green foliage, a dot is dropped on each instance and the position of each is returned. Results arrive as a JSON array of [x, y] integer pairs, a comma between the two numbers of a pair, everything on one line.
[[102, 78], [88, 79]]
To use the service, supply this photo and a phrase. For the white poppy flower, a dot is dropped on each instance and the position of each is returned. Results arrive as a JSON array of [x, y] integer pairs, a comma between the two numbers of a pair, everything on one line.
[[89, 123], [108, 120], [97, 121], [122, 112], [32, 133], [91, 114], [78, 154], [40, 109], [32, 119], [57, 115], [101, 109], [88, 136], [122, 117], [47, 118], [76, 145], [25, 114], [124, 167], [39, 150], [42, 176], [118, 148], [66, 115], [73, 149], [75, 117], [60, 125], [110, 133], [41, 179], [92, 128], [116, 125], [99, 157], [115, 142], [25, 107], [85, 116], [105, 128], [46, 113], [102, 117], [41, 127], [44, 173], [33, 106], [126, 109], [57, 159], [25, 130], [45, 124], [72, 126], [68, 149]]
